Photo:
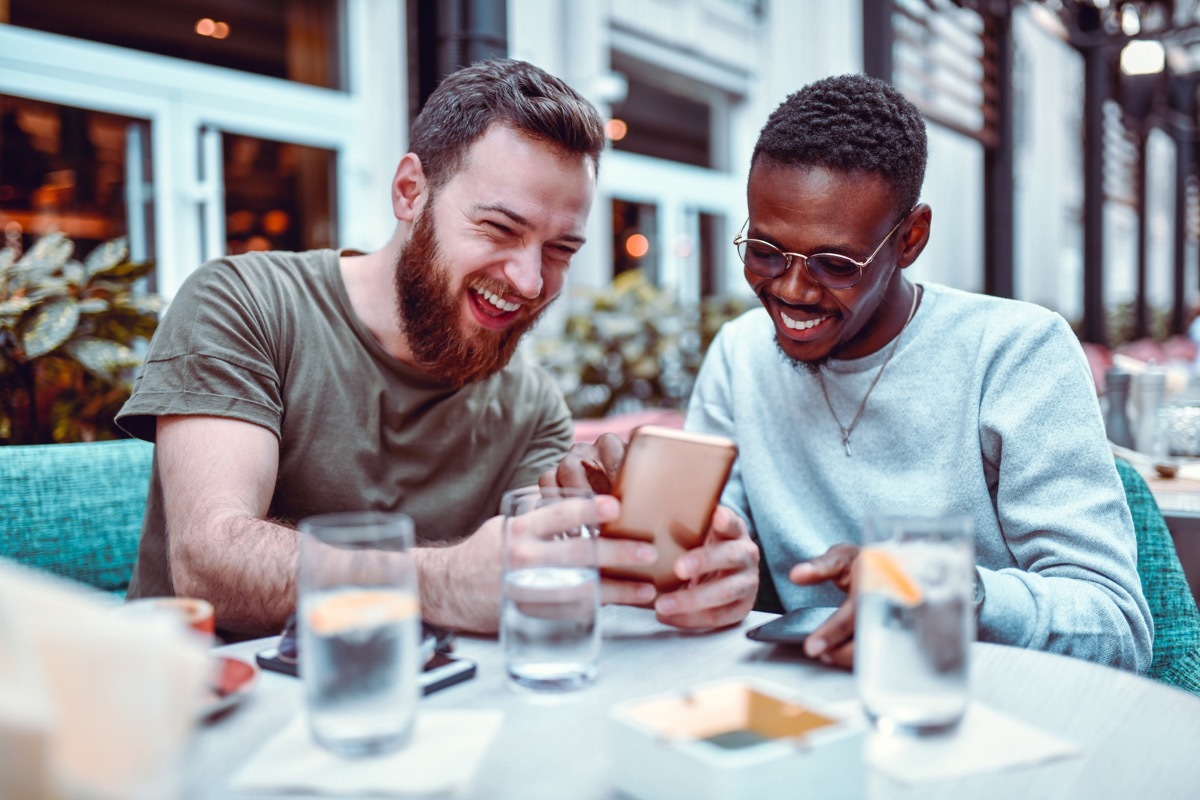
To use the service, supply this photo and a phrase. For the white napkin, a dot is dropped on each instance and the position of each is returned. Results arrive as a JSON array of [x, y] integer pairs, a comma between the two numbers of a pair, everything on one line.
[[985, 741], [92, 703], [440, 759]]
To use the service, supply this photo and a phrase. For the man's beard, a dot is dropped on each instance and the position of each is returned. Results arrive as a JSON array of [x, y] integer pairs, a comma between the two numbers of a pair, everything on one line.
[[811, 367], [431, 315]]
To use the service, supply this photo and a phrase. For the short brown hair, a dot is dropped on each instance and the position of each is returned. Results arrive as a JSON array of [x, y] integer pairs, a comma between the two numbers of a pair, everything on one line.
[[513, 93]]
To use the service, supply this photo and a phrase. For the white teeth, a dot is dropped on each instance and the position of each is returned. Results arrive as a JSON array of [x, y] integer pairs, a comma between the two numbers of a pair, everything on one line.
[[498, 301], [801, 325]]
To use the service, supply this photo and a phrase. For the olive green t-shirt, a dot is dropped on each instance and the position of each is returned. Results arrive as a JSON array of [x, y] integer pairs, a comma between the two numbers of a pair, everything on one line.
[[271, 338]]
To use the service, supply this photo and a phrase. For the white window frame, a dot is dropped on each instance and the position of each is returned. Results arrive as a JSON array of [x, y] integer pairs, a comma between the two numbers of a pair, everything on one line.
[[364, 124]]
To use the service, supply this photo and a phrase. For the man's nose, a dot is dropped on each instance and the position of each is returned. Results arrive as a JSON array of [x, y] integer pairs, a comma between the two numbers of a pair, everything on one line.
[[797, 286], [524, 271]]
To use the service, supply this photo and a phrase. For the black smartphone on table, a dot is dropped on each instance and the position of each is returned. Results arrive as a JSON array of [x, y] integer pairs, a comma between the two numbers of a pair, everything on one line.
[[792, 628], [441, 670]]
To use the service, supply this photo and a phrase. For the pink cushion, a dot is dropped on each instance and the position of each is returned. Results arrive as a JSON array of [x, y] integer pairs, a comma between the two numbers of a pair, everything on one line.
[[1099, 359], [588, 430]]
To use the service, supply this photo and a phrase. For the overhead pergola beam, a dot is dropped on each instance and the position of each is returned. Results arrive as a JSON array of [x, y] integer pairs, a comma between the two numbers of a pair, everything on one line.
[[1096, 72], [998, 162]]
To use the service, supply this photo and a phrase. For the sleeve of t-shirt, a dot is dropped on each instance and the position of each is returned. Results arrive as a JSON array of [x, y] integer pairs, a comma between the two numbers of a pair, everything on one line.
[[1062, 509], [552, 437], [213, 354]]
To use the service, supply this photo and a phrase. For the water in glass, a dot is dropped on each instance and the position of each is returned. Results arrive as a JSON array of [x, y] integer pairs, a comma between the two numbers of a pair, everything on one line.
[[913, 630], [548, 627], [361, 649]]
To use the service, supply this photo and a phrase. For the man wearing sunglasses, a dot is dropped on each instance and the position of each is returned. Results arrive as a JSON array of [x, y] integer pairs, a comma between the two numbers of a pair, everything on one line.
[[854, 391]]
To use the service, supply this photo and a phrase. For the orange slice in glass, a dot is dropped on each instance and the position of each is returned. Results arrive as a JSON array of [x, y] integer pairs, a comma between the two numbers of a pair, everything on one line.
[[367, 608], [879, 571]]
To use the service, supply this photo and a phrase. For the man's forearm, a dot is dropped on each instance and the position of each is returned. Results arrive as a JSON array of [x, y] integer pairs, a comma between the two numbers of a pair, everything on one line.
[[246, 567]]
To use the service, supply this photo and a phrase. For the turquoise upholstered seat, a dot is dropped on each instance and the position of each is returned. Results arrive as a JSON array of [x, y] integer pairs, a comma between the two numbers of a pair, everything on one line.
[[75, 509], [1176, 619]]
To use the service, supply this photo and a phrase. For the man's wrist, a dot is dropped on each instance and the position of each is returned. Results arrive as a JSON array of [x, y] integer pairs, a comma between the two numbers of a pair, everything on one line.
[[978, 596]]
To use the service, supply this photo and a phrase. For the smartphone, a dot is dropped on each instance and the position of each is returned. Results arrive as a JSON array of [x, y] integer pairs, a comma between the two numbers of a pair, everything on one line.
[[792, 628], [441, 670], [669, 485]]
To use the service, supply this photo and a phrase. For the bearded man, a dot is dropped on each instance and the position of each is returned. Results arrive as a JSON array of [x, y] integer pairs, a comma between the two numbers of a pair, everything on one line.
[[282, 385]]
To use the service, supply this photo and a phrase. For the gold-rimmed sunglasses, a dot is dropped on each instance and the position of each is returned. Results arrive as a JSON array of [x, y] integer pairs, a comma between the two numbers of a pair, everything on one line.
[[831, 270]]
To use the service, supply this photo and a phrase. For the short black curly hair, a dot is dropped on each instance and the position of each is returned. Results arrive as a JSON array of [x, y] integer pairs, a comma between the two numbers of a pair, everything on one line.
[[850, 123]]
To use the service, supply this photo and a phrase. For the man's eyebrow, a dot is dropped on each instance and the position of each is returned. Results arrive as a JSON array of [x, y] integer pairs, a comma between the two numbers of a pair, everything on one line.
[[524, 222], [508, 212], [834, 249]]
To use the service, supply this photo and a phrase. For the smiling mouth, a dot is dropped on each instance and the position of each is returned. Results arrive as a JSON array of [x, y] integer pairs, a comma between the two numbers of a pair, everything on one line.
[[493, 304], [800, 324]]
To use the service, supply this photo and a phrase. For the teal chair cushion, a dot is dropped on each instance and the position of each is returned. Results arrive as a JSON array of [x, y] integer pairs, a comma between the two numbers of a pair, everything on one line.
[[1176, 619], [75, 509]]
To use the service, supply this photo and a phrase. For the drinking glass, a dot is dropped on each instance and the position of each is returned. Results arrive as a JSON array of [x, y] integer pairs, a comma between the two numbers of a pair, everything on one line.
[[915, 621], [359, 624], [551, 590]]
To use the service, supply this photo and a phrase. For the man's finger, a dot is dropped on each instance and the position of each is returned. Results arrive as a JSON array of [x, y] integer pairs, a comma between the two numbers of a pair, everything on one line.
[[721, 556], [615, 553], [719, 617], [726, 524], [580, 468], [555, 518], [833, 564], [729, 589], [840, 657], [833, 632], [609, 453], [626, 592]]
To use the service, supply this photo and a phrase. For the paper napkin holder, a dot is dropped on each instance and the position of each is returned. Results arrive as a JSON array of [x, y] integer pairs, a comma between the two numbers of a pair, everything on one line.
[[736, 739]]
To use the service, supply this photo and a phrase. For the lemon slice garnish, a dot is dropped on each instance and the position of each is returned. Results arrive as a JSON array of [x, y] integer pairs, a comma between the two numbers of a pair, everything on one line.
[[880, 571], [367, 608]]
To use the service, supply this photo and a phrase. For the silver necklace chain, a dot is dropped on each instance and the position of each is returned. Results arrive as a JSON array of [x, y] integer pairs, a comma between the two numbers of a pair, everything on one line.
[[848, 431]]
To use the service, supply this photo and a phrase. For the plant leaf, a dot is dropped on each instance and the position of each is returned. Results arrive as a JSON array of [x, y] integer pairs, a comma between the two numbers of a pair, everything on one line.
[[17, 306], [7, 255], [125, 271], [93, 305], [107, 256], [53, 249], [101, 357], [53, 287], [73, 273], [51, 325]]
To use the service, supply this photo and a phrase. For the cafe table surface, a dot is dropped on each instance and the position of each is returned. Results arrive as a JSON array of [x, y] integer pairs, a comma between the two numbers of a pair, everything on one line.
[[1139, 738]]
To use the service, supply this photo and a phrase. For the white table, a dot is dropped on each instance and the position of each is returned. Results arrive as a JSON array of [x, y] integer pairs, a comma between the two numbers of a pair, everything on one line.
[[1140, 738]]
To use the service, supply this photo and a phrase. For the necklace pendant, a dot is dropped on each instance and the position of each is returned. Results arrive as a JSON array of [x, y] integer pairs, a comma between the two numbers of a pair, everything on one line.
[[846, 441]]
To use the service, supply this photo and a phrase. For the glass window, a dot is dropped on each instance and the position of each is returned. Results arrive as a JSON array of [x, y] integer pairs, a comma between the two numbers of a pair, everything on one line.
[[68, 169], [661, 121], [278, 196], [635, 238], [298, 40], [711, 241]]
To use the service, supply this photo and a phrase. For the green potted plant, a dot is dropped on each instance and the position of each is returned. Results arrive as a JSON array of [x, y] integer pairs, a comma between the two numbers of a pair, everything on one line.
[[70, 334], [631, 346]]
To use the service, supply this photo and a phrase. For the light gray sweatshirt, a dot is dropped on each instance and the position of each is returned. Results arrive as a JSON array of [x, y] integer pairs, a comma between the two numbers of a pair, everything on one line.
[[987, 409]]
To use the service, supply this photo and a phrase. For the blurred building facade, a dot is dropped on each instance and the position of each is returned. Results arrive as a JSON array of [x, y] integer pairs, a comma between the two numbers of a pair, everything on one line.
[[201, 127]]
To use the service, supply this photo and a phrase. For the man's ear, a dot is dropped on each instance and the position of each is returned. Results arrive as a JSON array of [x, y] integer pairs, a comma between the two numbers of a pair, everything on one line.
[[409, 188], [914, 235]]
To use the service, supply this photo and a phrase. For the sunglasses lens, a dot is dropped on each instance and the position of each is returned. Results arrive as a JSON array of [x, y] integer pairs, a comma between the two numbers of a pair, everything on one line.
[[834, 271], [761, 258]]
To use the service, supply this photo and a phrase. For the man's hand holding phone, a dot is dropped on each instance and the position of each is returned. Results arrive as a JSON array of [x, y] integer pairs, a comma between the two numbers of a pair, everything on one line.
[[712, 583]]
